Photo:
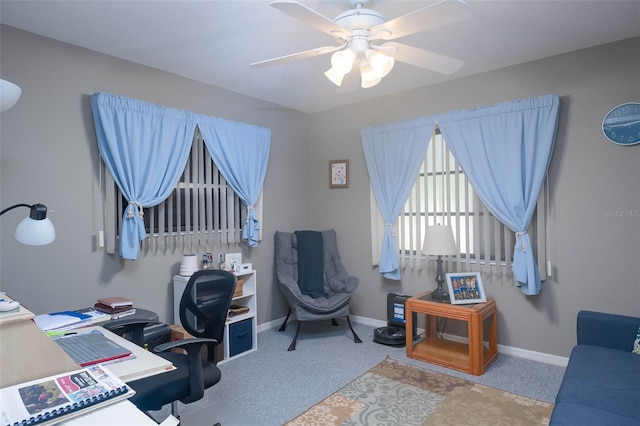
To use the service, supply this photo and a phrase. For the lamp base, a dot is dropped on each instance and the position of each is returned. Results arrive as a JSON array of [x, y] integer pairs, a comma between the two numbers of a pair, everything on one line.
[[439, 295]]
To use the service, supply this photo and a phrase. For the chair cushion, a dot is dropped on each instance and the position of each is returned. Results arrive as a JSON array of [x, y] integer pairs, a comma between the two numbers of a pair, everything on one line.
[[602, 379], [332, 302], [161, 389], [566, 414]]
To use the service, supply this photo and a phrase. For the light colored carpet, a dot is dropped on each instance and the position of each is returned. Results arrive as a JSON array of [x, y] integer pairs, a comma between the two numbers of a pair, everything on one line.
[[394, 393], [271, 386]]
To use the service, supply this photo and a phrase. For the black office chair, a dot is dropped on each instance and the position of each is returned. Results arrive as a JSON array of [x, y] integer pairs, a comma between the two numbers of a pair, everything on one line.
[[203, 312]]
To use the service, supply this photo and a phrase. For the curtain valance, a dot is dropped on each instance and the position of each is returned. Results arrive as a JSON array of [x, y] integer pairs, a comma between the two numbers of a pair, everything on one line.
[[145, 147]]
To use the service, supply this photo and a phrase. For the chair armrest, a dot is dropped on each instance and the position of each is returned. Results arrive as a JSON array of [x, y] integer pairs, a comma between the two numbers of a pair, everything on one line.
[[344, 283], [125, 325], [190, 345], [607, 330]]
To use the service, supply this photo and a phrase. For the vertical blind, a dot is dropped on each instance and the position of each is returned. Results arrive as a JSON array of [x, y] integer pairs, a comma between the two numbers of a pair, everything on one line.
[[202, 214]]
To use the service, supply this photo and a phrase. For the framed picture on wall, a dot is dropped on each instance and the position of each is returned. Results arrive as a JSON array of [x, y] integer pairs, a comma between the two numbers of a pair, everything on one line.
[[465, 287], [339, 174]]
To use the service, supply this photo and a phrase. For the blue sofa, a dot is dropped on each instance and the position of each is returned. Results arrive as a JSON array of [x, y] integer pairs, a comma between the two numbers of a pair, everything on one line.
[[601, 385]]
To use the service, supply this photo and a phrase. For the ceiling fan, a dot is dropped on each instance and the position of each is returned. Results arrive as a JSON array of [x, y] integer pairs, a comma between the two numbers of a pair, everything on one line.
[[363, 39]]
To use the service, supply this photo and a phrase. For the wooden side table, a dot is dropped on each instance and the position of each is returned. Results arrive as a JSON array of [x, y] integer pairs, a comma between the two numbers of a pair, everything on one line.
[[473, 357]]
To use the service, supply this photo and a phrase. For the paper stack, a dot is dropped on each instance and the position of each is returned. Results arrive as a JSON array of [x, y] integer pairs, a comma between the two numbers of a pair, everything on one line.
[[61, 321]]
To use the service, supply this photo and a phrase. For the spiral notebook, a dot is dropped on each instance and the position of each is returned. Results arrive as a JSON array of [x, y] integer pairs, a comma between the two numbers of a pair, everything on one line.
[[53, 399]]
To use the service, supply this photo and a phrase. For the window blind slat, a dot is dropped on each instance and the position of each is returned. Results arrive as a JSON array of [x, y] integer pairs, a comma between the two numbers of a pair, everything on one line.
[[208, 194]]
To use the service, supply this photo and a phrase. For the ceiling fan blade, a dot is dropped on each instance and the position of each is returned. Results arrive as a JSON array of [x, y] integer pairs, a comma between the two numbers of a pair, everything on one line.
[[422, 58], [296, 56], [311, 17], [432, 16]]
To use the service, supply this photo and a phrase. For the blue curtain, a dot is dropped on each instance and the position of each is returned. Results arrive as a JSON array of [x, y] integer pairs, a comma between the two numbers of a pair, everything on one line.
[[505, 151], [394, 153], [145, 146], [241, 153]]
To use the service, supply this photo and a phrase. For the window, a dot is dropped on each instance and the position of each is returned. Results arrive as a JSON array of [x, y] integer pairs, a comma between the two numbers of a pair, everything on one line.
[[443, 195], [201, 213]]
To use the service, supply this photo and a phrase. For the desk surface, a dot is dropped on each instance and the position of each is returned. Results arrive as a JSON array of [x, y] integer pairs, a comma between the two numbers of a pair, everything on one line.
[[27, 353], [112, 415], [22, 351], [144, 364]]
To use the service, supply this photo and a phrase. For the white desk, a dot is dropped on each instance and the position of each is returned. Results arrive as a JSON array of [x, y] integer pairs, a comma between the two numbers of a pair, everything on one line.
[[22, 350], [24, 347], [118, 414], [144, 364]]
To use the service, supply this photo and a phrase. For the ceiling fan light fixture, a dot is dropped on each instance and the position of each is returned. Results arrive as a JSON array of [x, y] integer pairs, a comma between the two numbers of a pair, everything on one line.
[[342, 60], [335, 76], [369, 76], [341, 65], [380, 62]]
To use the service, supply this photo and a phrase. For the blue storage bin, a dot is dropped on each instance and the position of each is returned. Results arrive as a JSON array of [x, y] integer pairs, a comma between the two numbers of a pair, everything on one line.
[[240, 337]]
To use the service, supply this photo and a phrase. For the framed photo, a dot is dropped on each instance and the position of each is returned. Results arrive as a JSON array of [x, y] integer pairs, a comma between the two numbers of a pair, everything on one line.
[[339, 174], [232, 261], [465, 287]]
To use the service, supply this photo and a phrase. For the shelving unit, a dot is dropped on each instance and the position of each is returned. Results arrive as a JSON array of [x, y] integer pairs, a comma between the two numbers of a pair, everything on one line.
[[240, 331]]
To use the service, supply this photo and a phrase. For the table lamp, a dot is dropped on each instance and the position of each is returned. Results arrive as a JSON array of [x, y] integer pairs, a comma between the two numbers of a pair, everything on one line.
[[438, 241], [35, 229]]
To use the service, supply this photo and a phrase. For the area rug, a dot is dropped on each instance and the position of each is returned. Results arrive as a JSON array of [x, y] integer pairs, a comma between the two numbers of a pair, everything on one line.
[[393, 393]]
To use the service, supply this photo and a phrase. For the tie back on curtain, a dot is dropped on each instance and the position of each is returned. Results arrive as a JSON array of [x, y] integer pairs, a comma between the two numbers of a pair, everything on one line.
[[146, 146]]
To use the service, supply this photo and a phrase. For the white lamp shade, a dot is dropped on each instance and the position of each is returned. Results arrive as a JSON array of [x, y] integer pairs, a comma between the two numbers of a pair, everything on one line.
[[335, 76], [438, 240], [343, 60], [369, 76], [35, 232], [9, 94], [380, 62]]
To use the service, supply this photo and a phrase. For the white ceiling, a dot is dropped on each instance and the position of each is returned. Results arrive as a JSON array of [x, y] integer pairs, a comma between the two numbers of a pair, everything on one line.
[[215, 41]]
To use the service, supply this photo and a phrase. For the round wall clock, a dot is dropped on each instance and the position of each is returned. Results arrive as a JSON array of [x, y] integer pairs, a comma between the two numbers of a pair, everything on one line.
[[621, 125]]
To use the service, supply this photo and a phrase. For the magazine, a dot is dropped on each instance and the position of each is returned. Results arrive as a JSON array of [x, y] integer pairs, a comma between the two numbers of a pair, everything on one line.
[[55, 398]]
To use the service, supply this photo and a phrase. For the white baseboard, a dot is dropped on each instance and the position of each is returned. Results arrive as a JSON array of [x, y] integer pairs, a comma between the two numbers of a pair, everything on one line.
[[271, 324], [560, 361], [503, 349]]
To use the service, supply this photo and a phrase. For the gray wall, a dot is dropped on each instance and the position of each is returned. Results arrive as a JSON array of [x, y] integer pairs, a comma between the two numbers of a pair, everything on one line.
[[595, 254], [48, 154]]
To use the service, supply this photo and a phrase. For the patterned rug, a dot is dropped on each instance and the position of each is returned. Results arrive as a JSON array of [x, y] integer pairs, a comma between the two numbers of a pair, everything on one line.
[[393, 393]]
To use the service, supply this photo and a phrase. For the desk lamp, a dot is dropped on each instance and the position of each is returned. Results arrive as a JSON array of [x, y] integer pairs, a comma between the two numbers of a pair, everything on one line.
[[438, 241], [9, 94], [36, 229]]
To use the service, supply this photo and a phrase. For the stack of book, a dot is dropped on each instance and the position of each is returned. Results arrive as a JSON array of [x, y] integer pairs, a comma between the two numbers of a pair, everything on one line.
[[117, 306]]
